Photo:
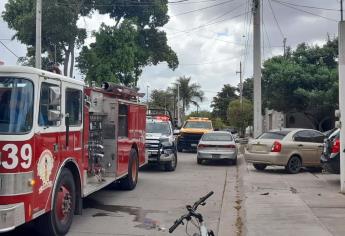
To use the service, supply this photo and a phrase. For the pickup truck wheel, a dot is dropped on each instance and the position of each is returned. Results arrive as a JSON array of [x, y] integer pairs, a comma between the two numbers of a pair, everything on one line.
[[260, 166], [171, 166], [179, 149], [59, 219], [199, 161], [130, 181]]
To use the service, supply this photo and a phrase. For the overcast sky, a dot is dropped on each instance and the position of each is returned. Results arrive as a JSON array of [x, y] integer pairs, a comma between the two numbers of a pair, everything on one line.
[[210, 38]]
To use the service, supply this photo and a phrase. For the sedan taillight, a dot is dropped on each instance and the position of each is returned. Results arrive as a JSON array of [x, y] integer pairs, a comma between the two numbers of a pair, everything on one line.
[[276, 147], [336, 146], [229, 146], [203, 146]]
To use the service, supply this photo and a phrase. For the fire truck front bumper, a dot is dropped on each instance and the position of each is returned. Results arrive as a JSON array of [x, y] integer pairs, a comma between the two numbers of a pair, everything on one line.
[[11, 216]]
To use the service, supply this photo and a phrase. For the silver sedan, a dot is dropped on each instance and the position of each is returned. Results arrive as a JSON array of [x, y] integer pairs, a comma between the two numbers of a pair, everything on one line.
[[217, 145]]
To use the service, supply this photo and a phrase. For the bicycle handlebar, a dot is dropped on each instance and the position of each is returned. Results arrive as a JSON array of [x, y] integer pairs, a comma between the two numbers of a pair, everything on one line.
[[191, 211], [176, 224], [201, 200]]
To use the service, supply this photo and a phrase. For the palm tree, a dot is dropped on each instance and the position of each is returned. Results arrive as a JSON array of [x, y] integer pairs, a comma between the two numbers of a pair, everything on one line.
[[190, 93]]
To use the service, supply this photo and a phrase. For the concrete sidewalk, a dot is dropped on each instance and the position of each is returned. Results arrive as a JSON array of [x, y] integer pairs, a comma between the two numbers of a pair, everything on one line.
[[277, 203]]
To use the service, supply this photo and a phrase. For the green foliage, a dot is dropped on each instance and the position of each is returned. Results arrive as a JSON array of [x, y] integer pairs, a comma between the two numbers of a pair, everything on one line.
[[307, 79], [163, 99], [240, 116], [59, 27], [112, 57], [221, 102], [218, 124], [190, 93], [248, 88], [202, 113], [135, 42]]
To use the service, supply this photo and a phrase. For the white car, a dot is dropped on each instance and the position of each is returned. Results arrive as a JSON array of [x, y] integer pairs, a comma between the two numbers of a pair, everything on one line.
[[217, 145]]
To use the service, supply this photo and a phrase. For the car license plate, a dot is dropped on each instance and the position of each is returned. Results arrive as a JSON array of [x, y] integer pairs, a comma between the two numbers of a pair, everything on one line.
[[152, 152], [193, 145], [216, 156], [259, 148]]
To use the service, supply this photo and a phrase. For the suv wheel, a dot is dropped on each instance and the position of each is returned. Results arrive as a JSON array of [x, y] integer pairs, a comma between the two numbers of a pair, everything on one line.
[[171, 166]]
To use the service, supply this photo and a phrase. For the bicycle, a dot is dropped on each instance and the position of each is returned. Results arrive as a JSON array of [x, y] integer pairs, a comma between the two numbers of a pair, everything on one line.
[[203, 231]]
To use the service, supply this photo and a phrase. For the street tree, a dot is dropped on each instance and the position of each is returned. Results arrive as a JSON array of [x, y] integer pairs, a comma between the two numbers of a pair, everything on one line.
[[190, 93], [147, 44], [221, 102], [61, 34], [163, 99], [305, 81], [248, 89], [202, 113], [240, 116]]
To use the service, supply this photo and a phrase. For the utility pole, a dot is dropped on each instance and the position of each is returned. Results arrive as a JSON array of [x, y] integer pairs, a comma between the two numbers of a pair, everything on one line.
[[284, 42], [147, 94], [241, 83], [241, 95], [38, 34], [341, 97], [178, 106], [257, 69]]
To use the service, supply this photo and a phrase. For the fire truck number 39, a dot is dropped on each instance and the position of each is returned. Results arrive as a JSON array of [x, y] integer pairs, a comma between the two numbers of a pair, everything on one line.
[[25, 156]]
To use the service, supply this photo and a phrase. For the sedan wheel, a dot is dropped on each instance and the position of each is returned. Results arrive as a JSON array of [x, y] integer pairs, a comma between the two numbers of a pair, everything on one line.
[[294, 165], [260, 166]]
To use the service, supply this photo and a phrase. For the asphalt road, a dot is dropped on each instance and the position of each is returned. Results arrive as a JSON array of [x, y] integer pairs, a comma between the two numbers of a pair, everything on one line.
[[159, 198]]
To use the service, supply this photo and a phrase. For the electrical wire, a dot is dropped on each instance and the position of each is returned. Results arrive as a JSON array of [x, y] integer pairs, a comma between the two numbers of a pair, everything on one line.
[[306, 6], [212, 20], [4, 45], [301, 10], [203, 8], [207, 25], [275, 19]]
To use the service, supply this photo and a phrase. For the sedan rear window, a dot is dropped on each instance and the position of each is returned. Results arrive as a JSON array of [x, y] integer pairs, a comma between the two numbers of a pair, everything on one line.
[[273, 135], [217, 137]]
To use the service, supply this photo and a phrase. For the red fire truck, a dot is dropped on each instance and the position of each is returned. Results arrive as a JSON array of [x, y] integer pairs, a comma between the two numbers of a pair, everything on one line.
[[61, 141]]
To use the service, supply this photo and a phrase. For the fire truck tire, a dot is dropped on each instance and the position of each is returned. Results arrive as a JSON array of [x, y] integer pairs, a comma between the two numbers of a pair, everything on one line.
[[130, 181], [59, 219], [171, 166]]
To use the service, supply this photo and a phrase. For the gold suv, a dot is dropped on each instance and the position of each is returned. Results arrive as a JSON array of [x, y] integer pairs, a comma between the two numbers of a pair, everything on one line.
[[292, 148]]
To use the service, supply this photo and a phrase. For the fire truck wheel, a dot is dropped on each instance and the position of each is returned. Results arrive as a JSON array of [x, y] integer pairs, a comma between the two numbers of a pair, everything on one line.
[[171, 166], [59, 219], [130, 181]]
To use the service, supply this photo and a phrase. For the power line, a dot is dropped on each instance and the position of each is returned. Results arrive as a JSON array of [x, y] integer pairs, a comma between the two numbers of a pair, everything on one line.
[[8, 49], [203, 8], [306, 6], [301, 10], [275, 19], [214, 19], [207, 25], [187, 34]]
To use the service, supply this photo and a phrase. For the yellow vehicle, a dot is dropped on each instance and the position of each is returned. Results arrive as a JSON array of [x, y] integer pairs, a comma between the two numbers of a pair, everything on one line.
[[191, 132]]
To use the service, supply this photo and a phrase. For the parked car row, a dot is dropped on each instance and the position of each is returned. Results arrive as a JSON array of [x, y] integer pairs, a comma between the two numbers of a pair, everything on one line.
[[291, 148]]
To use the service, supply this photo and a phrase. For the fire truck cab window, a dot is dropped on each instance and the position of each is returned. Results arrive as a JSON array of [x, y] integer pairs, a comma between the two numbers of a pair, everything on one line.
[[16, 105], [73, 106], [123, 120], [45, 106]]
